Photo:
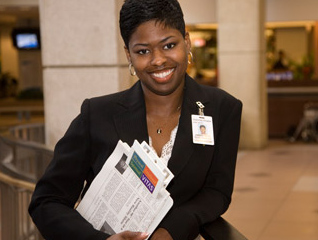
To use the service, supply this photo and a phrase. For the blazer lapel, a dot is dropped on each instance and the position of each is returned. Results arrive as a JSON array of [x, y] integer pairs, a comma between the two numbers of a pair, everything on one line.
[[183, 147], [130, 122]]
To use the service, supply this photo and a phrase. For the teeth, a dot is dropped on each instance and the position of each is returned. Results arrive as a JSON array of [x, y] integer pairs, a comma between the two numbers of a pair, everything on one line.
[[163, 74]]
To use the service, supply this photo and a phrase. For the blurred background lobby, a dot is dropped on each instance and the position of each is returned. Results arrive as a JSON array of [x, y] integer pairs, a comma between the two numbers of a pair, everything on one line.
[[54, 54]]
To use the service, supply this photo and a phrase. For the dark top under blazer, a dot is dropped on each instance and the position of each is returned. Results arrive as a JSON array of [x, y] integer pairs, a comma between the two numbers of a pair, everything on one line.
[[204, 175]]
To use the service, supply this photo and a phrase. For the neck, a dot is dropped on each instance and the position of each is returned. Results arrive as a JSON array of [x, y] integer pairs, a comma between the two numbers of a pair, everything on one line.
[[164, 105]]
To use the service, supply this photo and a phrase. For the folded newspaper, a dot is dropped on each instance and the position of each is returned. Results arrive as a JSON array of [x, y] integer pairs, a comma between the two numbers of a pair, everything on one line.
[[129, 193]]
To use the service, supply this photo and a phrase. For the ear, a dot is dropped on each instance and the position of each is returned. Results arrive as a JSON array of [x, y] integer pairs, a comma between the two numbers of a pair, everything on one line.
[[187, 41], [127, 54]]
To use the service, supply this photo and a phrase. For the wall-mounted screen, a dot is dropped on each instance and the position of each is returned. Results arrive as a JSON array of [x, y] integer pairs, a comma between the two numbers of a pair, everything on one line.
[[26, 39]]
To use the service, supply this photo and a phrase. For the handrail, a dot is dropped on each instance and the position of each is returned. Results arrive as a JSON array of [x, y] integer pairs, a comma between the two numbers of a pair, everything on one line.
[[23, 160], [15, 197], [18, 183], [23, 153], [220, 229]]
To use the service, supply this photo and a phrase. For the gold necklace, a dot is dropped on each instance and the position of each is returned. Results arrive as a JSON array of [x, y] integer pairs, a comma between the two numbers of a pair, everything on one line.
[[160, 129]]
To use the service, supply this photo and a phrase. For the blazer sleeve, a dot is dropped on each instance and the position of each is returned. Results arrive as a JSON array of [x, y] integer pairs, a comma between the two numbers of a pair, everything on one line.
[[52, 203], [213, 199]]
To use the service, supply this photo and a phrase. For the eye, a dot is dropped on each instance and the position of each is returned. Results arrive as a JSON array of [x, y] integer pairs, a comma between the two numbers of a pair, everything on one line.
[[143, 51], [169, 46]]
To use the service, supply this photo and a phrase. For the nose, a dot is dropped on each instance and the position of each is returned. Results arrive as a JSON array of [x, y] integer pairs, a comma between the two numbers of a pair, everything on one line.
[[158, 58]]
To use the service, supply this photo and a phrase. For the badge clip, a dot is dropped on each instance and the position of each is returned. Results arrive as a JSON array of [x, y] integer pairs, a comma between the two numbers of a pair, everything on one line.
[[200, 108]]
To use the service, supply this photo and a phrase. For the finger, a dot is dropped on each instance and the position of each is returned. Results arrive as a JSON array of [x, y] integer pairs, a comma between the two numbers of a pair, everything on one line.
[[129, 235]]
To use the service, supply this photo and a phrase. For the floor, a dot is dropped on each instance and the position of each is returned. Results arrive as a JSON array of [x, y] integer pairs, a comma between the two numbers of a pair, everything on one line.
[[276, 190]]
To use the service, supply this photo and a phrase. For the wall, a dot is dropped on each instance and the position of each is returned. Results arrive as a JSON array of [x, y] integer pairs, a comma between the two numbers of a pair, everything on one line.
[[291, 10], [30, 68], [203, 11], [25, 66], [9, 55], [82, 58], [194, 13]]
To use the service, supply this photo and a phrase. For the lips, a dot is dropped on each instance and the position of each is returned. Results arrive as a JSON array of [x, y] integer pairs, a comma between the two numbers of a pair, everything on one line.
[[162, 75]]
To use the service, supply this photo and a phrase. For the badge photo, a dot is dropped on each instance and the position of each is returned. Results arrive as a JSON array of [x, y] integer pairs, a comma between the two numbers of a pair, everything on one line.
[[202, 130]]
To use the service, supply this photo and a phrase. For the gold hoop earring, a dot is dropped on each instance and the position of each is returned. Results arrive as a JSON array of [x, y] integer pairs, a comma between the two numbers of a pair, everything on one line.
[[132, 73], [191, 58]]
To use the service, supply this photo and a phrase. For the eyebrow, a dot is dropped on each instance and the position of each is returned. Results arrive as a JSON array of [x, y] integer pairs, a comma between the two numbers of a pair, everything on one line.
[[146, 44]]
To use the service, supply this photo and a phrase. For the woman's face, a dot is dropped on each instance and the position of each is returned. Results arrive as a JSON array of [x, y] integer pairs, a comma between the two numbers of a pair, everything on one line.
[[160, 57]]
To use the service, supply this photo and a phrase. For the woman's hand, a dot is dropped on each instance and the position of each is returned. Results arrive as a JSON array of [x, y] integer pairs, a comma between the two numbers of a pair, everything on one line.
[[128, 235], [161, 234]]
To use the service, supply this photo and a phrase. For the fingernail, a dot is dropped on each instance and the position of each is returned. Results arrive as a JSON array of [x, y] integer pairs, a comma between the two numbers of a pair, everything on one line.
[[144, 234]]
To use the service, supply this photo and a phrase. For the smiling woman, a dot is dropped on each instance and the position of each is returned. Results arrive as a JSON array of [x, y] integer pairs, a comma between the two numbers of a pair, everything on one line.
[[158, 109], [159, 56]]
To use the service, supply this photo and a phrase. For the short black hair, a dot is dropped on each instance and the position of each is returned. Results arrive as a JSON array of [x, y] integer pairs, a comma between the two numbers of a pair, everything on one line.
[[135, 12]]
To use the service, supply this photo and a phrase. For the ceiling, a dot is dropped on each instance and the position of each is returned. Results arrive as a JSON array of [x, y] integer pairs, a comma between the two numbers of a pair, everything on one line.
[[18, 15]]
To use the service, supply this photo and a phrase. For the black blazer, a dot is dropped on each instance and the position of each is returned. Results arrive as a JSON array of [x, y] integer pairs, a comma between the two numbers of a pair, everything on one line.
[[204, 175]]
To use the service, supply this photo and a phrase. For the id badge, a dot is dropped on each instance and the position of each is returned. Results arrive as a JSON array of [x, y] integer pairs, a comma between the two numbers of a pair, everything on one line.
[[202, 129]]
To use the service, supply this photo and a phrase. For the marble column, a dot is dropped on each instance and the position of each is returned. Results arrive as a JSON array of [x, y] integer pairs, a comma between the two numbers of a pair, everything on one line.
[[82, 55], [241, 64]]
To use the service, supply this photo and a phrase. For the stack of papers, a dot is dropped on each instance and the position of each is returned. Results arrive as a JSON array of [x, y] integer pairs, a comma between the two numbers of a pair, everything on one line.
[[129, 193]]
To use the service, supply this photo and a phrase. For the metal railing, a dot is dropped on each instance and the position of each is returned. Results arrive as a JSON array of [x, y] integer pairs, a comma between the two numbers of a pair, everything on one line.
[[23, 154], [23, 158], [15, 198]]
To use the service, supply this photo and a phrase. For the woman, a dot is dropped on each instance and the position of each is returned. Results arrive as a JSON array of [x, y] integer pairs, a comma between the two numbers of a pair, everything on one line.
[[157, 109]]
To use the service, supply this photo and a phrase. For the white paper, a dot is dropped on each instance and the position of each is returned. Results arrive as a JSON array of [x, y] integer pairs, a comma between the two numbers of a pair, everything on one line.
[[129, 192]]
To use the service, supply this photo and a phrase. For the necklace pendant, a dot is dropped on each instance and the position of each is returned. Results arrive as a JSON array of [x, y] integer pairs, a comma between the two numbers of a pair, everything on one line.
[[159, 131]]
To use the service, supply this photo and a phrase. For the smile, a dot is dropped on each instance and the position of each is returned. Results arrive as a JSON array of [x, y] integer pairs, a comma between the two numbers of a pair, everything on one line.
[[163, 74]]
